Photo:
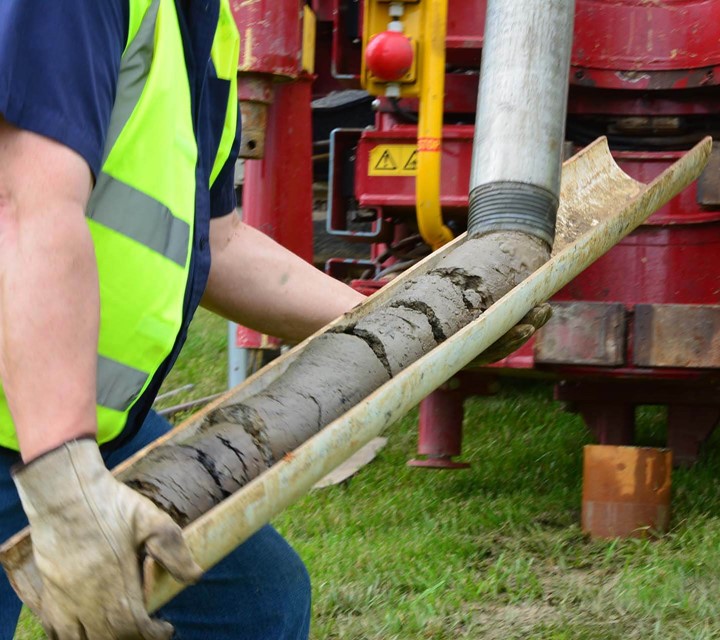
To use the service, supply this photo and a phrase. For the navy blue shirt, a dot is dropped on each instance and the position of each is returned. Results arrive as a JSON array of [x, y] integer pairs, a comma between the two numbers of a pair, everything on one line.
[[59, 64]]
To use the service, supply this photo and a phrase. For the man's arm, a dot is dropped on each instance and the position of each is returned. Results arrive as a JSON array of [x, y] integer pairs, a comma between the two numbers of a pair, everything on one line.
[[49, 300], [258, 283], [49, 322]]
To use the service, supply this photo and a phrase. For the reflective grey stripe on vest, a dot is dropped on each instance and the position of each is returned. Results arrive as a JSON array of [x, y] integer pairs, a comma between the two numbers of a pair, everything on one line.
[[130, 212], [117, 384], [115, 204], [118, 206], [134, 70]]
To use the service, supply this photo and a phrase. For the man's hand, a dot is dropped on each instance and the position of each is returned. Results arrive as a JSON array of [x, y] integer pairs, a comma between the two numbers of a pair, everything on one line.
[[88, 530], [516, 337]]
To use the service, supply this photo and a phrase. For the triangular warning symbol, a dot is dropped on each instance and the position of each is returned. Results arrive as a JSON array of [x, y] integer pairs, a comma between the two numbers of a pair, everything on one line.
[[386, 162], [411, 164]]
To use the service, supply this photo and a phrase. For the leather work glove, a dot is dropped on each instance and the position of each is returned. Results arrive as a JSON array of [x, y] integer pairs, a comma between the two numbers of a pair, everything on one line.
[[516, 337], [88, 530]]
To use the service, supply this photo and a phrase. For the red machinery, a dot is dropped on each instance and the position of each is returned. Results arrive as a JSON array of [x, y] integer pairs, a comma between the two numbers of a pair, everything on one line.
[[274, 92], [642, 325]]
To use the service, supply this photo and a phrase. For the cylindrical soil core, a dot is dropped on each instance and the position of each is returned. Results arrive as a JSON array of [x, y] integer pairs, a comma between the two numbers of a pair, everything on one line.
[[626, 491]]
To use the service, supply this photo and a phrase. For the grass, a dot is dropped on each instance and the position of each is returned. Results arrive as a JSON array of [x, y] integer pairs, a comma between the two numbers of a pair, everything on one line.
[[495, 551], [202, 363]]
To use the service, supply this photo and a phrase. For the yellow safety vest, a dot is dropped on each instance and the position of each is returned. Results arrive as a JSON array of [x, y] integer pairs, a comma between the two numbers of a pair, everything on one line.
[[142, 210]]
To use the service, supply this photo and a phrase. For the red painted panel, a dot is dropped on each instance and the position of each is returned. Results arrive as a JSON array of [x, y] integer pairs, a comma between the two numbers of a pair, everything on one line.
[[677, 264], [634, 35], [277, 193], [270, 36], [395, 191]]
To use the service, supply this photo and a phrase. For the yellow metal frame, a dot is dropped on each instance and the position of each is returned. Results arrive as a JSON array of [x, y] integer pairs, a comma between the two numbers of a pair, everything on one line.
[[308, 40], [430, 122], [425, 23]]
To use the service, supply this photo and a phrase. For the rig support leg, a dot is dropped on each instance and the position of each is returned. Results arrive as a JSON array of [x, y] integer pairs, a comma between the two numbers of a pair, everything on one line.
[[688, 428], [440, 430], [610, 423]]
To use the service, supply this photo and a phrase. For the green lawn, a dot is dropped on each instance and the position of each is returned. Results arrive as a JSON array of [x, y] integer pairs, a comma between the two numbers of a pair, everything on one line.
[[494, 551]]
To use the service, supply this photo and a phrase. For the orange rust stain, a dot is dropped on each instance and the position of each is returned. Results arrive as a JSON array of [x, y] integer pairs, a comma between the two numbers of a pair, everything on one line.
[[429, 144]]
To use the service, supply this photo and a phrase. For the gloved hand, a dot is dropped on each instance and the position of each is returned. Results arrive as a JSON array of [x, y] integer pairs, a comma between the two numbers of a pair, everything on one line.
[[87, 532], [516, 337]]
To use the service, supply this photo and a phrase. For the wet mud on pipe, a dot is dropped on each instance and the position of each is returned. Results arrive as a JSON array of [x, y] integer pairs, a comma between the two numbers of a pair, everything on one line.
[[236, 443], [345, 365]]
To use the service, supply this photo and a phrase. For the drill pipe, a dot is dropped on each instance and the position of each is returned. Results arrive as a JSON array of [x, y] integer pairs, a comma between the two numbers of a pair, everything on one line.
[[520, 121]]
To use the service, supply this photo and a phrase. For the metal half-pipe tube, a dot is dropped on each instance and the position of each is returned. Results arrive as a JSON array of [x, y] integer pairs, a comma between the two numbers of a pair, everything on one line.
[[594, 188]]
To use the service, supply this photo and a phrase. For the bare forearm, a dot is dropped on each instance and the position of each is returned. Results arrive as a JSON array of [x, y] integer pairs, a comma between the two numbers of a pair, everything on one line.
[[49, 308], [49, 326], [258, 283]]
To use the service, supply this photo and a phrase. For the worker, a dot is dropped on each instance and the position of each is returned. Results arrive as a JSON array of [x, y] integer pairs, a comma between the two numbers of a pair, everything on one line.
[[118, 134], [117, 146]]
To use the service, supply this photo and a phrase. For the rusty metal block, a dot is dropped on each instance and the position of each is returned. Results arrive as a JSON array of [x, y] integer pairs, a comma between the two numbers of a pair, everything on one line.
[[589, 333], [708, 186], [626, 491], [677, 335]]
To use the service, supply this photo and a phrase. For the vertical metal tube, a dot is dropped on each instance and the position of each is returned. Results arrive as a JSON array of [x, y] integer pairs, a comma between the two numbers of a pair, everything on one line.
[[520, 126], [441, 430], [430, 124], [237, 358]]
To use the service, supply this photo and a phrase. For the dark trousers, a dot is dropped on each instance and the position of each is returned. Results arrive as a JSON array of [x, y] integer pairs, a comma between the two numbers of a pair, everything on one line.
[[259, 592]]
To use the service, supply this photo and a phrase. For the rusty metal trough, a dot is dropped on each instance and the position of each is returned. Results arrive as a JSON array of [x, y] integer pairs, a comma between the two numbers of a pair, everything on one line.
[[599, 205]]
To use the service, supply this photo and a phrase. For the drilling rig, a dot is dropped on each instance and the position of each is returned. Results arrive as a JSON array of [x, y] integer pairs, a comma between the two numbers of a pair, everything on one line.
[[442, 156], [641, 326]]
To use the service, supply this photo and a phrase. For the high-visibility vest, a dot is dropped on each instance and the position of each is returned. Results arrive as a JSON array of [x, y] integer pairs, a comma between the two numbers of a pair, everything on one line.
[[141, 212]]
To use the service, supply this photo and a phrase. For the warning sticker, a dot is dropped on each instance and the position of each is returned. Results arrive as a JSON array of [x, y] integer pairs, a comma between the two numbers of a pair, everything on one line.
[[393, 160], [411, 163], [385, 162]]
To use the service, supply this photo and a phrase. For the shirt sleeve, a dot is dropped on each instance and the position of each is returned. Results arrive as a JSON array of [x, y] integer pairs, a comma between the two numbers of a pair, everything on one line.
[[222, 194], [59, 64]]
